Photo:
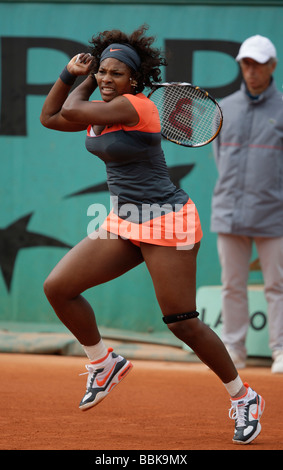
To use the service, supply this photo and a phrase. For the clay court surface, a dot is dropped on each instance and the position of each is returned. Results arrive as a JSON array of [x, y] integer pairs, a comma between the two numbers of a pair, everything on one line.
[[159, 406]]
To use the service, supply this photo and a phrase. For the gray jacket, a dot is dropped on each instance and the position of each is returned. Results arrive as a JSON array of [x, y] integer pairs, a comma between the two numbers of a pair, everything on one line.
[[248, 196]]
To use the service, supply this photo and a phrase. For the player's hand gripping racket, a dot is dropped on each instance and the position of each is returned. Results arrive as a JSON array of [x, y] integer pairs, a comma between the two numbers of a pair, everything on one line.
[[189, 116]]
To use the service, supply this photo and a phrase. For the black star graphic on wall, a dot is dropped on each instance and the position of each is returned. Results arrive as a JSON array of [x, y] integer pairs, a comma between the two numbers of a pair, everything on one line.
[[16, 237], [179, 172]]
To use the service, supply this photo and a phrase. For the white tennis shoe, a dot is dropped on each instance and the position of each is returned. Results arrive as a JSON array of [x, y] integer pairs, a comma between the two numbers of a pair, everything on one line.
[[101, 381], [247, 411]]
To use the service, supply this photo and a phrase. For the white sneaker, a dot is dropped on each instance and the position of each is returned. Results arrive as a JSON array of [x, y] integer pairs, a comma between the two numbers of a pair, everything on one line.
[[100, 381], [277, 366], [237, 358], [247, 411]]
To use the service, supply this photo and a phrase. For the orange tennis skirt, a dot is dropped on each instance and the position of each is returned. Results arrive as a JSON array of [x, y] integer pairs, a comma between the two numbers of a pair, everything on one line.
[[181, 228]]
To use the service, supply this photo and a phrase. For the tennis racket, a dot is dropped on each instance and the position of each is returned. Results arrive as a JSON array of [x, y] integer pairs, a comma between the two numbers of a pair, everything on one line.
[[189, 116]]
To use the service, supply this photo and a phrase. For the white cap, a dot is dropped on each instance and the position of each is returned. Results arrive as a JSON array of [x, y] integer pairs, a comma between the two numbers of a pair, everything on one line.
[[257, 48]]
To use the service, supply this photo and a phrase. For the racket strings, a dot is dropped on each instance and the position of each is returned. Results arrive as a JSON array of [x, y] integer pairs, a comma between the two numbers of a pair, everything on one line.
[[187, 115]]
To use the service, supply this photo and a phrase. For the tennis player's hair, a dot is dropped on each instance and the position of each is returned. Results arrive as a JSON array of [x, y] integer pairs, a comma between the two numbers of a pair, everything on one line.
[[151, 57]]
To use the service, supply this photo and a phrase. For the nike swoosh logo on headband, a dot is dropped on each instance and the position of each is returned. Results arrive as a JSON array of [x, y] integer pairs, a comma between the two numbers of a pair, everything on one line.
[[113, 50]]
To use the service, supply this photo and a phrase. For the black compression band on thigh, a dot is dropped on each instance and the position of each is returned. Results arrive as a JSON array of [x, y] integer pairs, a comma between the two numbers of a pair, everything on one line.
[[179, 317]]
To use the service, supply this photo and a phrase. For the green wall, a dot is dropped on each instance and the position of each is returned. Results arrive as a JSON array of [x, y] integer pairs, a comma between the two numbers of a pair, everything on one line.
[[48, 180]]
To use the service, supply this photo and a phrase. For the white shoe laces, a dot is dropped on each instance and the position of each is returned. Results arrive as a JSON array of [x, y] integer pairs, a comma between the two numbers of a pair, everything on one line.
[[91, 370], [238, 412]]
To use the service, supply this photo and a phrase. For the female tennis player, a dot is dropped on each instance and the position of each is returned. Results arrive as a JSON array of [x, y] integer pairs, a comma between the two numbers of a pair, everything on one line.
[[163, 228]]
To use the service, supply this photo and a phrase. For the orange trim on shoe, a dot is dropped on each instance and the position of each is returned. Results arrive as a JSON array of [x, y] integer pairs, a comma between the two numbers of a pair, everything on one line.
[[255, 415], [125, 371], [103, 358], [100, 383], [112, 386]]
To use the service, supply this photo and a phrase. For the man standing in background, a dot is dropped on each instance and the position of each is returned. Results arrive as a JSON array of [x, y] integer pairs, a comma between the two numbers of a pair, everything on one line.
[[247, 203]]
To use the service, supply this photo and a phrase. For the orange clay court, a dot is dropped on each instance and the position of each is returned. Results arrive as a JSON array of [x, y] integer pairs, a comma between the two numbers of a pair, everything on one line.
[[161, 405]]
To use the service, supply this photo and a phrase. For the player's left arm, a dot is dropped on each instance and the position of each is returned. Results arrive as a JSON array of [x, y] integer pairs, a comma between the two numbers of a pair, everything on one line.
[[51, 114]]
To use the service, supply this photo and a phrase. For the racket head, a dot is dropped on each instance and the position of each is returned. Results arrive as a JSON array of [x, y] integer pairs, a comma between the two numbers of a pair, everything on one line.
[[189, 115]]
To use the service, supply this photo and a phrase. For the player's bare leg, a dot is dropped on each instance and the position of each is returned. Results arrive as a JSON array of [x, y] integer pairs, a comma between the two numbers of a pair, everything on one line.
[[173, 273], [174, 277], [89, 264]]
